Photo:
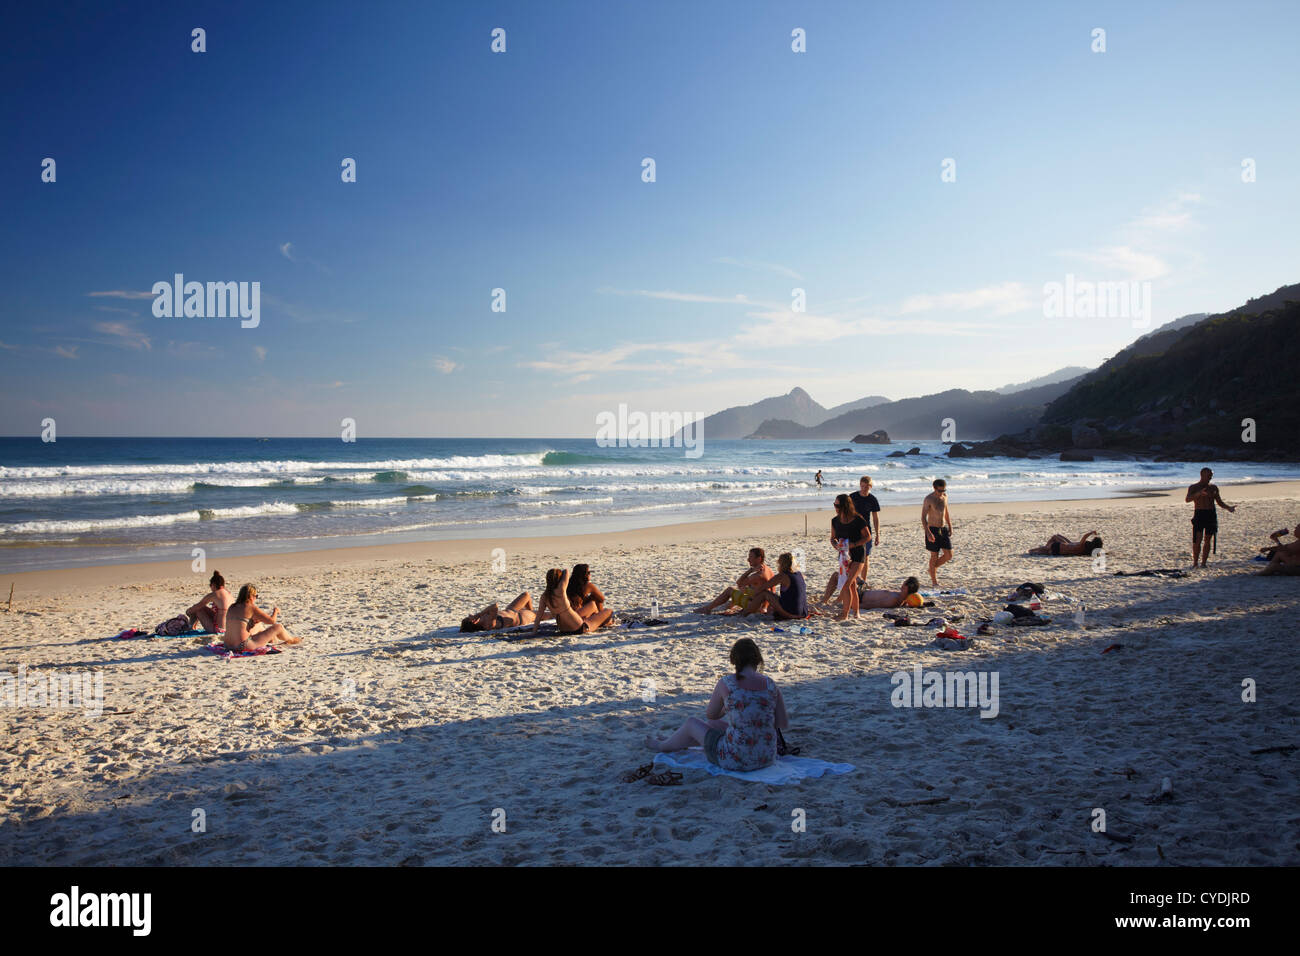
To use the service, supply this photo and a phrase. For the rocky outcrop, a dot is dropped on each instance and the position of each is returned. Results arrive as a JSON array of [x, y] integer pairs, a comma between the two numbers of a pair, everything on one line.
[[878, 437]]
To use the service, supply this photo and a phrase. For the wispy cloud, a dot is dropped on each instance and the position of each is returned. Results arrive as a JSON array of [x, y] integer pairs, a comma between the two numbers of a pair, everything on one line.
[[1126, 261], [259, 352], [121, 294], [759, 266], [293, 255], [672, 296], [124, 335], [66, 351], [1005, 298], [444, 365]]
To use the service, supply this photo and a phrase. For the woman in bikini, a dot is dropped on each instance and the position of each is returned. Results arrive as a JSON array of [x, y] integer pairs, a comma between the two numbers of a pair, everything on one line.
[[248, 627], [584, 597], [211, 609], [555, 603], [1058, 545], [492, 618]]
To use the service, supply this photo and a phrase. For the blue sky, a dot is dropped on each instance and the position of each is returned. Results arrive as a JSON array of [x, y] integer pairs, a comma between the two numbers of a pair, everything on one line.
[[775, 170]]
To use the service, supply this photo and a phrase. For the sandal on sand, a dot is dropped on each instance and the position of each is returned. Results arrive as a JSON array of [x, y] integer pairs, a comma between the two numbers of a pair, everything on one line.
[[632, 776], [668, 778]]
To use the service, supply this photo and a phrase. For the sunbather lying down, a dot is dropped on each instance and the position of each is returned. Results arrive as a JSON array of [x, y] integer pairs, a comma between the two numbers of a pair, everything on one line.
[[874, 599], [494, 617], [1058, 545], [1286, 559]]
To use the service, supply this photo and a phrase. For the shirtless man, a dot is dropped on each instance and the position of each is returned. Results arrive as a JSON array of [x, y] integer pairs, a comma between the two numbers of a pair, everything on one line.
[[1205, 520], [746, 585], [938, 527], [211, 609], [870, 600], [1286, 559]]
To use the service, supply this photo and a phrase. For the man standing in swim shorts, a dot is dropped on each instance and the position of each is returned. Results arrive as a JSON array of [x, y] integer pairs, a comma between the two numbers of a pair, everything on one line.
[[1205, 519], [866, 505], [938, 527]]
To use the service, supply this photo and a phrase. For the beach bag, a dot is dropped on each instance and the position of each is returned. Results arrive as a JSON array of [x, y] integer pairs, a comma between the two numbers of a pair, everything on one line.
[[173, 626]]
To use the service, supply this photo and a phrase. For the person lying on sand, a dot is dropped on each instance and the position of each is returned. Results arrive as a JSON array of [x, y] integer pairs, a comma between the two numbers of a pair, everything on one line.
[[248, 627], [555, 603], [1286, 559], [491, 618], [582, 593], [739, 729], [1269, 550], [746, 585], [872, 600], [792, 605], [1058, 545], [211, 609]]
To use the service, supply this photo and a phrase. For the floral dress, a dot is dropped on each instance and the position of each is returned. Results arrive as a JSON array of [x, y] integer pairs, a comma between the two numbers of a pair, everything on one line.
[[750, 741]]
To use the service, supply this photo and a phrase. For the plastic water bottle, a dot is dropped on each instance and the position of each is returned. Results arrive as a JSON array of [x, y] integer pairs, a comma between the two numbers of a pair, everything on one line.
[[801, 629], [654, 607], [1078, 615]]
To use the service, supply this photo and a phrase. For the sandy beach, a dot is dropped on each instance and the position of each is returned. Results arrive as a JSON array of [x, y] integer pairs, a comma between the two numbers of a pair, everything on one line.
[[389, 738]]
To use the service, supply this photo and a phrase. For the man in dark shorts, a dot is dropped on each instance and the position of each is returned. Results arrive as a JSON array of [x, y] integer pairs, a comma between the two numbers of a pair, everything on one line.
[[1205, 519], [938, 527], [866, 505]]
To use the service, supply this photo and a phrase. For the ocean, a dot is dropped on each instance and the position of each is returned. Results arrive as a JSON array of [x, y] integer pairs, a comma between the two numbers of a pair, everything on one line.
[[81, 501]]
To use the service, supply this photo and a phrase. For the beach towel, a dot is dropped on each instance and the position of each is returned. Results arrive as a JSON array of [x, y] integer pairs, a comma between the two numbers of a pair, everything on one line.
[[216, 647], [1153, 573], [785, 770], [945, 592], [135, 632]]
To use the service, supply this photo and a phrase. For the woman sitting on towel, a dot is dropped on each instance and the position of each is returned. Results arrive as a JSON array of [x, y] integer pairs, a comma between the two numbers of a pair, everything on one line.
[[739, 729], [248, 627], [1058, 545], [211, 609], [555, 603], [792, 605], [492, 618], [583, 595]]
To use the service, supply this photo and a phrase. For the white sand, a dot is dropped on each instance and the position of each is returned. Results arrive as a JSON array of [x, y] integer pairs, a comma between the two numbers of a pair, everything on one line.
[[444, 728]]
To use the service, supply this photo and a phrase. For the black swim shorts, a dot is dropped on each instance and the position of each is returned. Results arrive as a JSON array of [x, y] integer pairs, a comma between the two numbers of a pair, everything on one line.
[[1205, 519], [942, 540]]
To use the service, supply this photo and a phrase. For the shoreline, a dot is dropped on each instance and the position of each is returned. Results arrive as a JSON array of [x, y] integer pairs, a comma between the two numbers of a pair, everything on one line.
[[894, 519]]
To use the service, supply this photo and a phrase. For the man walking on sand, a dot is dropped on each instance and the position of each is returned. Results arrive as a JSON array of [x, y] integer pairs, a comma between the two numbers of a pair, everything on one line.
[[938, 527], [865, 504], [1205, 519]]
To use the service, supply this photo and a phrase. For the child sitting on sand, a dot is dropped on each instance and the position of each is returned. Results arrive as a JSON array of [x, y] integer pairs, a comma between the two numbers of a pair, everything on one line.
[[754, 711], [248, 627]]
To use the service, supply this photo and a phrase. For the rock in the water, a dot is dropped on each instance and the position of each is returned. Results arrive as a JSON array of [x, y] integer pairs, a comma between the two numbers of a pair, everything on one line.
[[1070, 455], [878, 437], [895, 454], [914, 450]]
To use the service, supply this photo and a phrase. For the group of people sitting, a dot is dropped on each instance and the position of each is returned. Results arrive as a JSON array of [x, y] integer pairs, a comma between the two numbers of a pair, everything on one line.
[[755, 591], [243, 625], [573, 601]]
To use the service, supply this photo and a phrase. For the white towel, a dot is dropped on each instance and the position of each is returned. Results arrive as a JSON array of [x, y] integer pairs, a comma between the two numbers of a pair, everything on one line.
[[785, 770]]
